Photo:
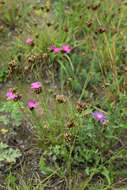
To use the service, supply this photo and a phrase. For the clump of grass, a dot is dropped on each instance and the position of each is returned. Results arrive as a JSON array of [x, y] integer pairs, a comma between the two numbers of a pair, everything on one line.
[[13, 14], [102, 42]]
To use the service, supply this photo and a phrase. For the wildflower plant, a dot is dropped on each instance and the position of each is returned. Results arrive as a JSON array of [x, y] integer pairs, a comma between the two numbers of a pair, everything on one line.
[[86, 57], [8, 155], [13, 114], [85, 139]]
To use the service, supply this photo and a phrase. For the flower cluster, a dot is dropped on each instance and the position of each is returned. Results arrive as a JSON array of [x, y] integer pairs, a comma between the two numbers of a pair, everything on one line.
[[64, 49], [55, 50], [37, 87], [13, 96]]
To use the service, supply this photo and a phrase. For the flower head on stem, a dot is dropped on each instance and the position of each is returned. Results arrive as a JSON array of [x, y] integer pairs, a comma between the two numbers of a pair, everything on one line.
[[28, 40], [35, 85], [11, 96], [66, 49], [32, 105], [99, 116]]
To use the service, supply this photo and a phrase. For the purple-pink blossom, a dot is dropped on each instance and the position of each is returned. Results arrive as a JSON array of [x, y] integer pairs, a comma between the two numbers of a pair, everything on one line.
[[28, 40], [35, 85], [11, 96], [56, 50], [54, 47], [32, 105], [66, 49], [99, 116]]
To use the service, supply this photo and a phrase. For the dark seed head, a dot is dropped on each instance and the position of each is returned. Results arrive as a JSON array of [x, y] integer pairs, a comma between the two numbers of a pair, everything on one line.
[[48, 23], [66, 29], [37, 35], [101, 30], [47, 9], [42, 8], [34, 7]]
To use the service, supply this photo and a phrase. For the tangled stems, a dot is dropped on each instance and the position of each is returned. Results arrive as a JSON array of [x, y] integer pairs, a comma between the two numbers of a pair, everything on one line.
[[35, 121], [38, 122], [95, 171], [110, 186], [25, 114]]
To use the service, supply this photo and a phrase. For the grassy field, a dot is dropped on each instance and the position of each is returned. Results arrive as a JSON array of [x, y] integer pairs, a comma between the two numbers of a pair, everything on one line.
[[63, 95]]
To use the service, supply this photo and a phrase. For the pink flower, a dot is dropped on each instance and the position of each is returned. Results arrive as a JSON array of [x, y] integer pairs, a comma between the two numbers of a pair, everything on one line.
[[36, 85], [9, 93], [54, 47], [66, 49], [99, 116], [11, 96], [32, 105], [56, 50], [28, 40]]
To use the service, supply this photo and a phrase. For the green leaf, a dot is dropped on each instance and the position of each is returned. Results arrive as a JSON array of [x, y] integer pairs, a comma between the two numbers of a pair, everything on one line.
[[44, 169], [8, 154], [3, 145], [4, 119], [106, 173]]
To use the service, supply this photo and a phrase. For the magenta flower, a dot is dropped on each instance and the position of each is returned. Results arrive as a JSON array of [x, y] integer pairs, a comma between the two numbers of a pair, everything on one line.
[[11, 96], [99, 116], [36, 85], [66, 49], [54, 47], [28, 40], [32, 105], [56, 50]]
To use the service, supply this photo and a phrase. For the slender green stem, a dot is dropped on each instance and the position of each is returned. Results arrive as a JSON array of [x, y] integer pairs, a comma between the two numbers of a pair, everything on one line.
[[110, 186], [95, 171]]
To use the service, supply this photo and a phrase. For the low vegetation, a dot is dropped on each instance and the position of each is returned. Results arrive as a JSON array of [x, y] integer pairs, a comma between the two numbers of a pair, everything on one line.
[[63, 103]]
